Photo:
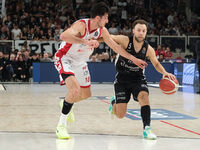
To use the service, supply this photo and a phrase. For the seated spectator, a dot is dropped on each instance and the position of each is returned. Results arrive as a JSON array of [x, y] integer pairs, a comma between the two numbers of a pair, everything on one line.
[[42, 36], [31, 34], [16, 32], [28, 62], [105, 57], [7, 71], [26, 54], [18, 54], [49, 35], [4, 33], [161, 58], [35, 58], [57, 35], [39, 56], [13, 66], [1, 65], [60, 30], [126, 30], [8, 21], [168, 54], [46, 58], [37, 34], [150, 23], [51, 56], [99, 57], [24, 35], [159, 51], [179, 58], [113, 57], [21, 68], [113, 30], [93, 58]]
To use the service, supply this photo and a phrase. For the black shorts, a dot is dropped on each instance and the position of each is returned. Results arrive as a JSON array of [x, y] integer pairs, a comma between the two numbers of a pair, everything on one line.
[[123, 91], [65, 76]]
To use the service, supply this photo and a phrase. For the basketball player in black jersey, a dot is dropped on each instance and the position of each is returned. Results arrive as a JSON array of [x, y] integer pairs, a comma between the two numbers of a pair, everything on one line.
[[130, 79]]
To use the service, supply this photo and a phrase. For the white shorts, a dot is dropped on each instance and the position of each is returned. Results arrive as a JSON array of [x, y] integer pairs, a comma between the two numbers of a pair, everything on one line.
[[81, 72]]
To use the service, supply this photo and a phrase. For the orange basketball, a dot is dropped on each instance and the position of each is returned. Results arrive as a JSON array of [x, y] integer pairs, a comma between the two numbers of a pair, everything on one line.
[[168, 86]]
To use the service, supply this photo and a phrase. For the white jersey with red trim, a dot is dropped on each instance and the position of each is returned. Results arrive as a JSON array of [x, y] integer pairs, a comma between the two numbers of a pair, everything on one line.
[[77, 54]]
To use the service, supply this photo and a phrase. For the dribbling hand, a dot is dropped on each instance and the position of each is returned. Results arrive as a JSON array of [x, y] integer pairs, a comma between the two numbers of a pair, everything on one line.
[[171, 76]]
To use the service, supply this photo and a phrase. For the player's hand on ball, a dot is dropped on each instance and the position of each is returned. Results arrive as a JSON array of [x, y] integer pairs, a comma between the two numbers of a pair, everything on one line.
[[169, 75]]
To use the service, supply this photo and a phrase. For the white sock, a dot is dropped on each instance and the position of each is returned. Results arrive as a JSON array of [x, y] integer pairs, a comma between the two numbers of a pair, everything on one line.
[[63, 119]]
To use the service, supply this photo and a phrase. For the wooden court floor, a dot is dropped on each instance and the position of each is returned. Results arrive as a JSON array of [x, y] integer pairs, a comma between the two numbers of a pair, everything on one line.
[[30, 112]]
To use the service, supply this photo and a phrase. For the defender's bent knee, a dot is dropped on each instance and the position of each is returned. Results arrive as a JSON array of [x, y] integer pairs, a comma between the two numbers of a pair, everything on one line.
[[85, 93], [74, 94]]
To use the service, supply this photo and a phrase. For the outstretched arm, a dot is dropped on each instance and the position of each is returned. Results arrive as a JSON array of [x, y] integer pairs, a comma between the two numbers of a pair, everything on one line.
[[156, 63], [72, 35], [121, 51]]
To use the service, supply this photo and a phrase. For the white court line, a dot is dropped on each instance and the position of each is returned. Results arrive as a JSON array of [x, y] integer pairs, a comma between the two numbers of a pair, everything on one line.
[[2, 87], [157, 85]]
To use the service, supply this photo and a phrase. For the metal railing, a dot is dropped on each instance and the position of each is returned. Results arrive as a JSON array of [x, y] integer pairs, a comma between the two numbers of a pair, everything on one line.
[[174, 42]]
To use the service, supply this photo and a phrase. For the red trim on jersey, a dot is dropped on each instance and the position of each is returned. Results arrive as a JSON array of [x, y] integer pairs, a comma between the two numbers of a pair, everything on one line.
[[85, 86], [62, 82], [82, 21], [99, 33], [63, 50], [89, 27], [85, 28]]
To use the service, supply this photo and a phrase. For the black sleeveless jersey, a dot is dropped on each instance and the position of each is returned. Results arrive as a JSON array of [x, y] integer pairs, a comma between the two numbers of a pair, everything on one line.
[[127, 71]]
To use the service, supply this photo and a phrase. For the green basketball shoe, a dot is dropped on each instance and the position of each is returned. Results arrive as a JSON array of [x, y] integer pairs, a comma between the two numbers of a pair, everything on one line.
[[61, 132], [148, 134], [110, 109]]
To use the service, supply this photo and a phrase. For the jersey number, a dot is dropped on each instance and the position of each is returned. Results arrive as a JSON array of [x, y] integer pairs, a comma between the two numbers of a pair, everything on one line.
[[87, 79]]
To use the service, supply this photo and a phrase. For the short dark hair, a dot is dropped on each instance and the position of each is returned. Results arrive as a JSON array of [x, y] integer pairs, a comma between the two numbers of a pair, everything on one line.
[[139, 21], [99, 9]]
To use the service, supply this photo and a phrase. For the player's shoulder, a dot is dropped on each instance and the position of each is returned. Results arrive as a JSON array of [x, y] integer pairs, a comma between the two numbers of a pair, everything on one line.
[[104, 29], [150, 50], [149, 47], [79, 23]]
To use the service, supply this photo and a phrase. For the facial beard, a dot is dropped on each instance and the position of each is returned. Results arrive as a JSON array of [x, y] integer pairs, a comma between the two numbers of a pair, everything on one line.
[[139, 41]]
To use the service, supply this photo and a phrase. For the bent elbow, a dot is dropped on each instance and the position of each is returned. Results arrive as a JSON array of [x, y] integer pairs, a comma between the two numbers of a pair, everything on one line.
[[62, 37]]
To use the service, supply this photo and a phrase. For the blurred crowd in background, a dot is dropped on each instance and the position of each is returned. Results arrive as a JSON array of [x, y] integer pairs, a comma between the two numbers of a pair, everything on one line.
[[47, 19]]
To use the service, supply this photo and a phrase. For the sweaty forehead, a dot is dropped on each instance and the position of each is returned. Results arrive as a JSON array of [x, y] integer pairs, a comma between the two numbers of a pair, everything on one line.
[[140, 26]]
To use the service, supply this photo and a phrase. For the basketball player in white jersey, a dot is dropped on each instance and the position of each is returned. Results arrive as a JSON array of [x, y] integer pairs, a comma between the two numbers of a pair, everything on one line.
[[70, 60]]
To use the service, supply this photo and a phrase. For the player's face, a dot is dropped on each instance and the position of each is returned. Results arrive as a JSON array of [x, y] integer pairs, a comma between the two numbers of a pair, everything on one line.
[[102, 21], [140, 32]]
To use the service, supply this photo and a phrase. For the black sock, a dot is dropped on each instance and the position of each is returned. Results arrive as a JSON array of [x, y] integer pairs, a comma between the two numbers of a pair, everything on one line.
[[146, 115], [66, 107], [113, 102]]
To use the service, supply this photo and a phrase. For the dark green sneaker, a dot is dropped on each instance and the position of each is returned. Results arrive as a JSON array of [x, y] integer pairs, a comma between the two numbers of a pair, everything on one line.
[[110, 106]]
